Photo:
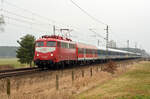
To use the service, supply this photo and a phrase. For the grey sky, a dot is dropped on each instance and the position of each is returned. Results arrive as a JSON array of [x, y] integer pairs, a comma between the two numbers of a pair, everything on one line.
[[128, 19]]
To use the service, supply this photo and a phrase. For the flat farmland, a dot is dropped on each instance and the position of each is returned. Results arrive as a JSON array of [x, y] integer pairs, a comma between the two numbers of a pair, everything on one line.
[[10, 62]]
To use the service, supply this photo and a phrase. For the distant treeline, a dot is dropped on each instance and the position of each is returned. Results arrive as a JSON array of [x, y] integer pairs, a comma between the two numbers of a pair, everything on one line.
[[8, 51]]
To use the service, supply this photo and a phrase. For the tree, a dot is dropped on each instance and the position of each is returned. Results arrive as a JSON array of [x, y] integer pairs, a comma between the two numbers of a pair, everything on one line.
[[25, 52]]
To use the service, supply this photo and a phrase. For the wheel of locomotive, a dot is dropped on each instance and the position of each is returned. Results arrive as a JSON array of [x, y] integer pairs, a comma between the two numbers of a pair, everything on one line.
[[55, 66], [39, 66], [48, 66], [67, 64], [62, 65]]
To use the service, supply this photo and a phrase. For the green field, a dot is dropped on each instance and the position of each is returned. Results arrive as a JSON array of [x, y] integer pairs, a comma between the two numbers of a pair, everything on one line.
[[134, 84], [11, 62]]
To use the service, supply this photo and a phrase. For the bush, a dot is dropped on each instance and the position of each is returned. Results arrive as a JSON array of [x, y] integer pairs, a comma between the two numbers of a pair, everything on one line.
[[110, 67]]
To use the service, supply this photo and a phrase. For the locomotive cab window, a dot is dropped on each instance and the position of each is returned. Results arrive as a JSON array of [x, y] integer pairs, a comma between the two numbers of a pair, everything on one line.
[[51, 43], [39, 44]]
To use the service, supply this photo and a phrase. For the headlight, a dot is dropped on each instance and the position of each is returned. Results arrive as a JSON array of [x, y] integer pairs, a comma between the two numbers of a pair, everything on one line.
[[37, 54], [51, 54]]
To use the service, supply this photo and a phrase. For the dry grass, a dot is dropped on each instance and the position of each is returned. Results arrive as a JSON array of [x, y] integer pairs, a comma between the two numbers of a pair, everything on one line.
[[136, 82], [42, 86]]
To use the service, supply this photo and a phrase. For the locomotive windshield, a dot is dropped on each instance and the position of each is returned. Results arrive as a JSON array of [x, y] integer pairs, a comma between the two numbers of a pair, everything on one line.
[[39, 44], [51, 43]]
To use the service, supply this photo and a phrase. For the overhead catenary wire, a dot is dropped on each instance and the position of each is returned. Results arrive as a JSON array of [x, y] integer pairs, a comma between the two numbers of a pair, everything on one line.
[[120, 43], [12, 13], [24, 21], [92, 17], [31, 20], [38, 15], [35, 14], [96, 20], [98, 34], [23, 26]]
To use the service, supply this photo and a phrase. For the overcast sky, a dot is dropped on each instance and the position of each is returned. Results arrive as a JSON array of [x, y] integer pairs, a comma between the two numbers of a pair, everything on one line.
[[128, 19]]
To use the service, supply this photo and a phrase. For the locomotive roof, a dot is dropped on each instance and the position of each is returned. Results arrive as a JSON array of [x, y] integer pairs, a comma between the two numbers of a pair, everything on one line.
[[55, 38]]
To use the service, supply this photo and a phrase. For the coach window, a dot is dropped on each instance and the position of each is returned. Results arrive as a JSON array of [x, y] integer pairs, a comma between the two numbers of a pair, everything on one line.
[[39, 44], [102, 52], [67, 45], [80, 51], [86, 51], [98, 52], [93, 51], [51, 43], [90, 51], [110, 53], [74, 46], [71, 46], [83, 51], [62, 45]]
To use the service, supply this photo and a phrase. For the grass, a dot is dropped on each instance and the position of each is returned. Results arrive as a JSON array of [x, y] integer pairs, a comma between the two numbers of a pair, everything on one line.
[[11, 62], [134, 84]]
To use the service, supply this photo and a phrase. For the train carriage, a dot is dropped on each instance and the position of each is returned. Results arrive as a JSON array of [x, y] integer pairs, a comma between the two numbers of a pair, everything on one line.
[[86, 52]]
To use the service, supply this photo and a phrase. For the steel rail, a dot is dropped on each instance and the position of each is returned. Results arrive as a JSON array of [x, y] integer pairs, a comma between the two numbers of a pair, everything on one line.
[[18, 72]]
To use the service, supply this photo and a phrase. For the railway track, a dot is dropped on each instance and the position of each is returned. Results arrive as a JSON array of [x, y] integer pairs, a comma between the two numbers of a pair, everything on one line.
[[18, 72], [24, 71]]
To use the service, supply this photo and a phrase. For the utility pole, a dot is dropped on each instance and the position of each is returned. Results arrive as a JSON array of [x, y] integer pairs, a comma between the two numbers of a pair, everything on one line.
[[96, 34], [107, 39], [98, 42], [128, 45], [54, 29], [135, 44], [135, 47]]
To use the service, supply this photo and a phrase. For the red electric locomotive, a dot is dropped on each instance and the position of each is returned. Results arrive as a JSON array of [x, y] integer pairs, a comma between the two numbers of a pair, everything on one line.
[[53, 50]]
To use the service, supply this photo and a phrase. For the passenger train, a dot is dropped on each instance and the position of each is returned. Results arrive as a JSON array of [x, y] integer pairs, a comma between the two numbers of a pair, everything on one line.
[[52, 51]]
